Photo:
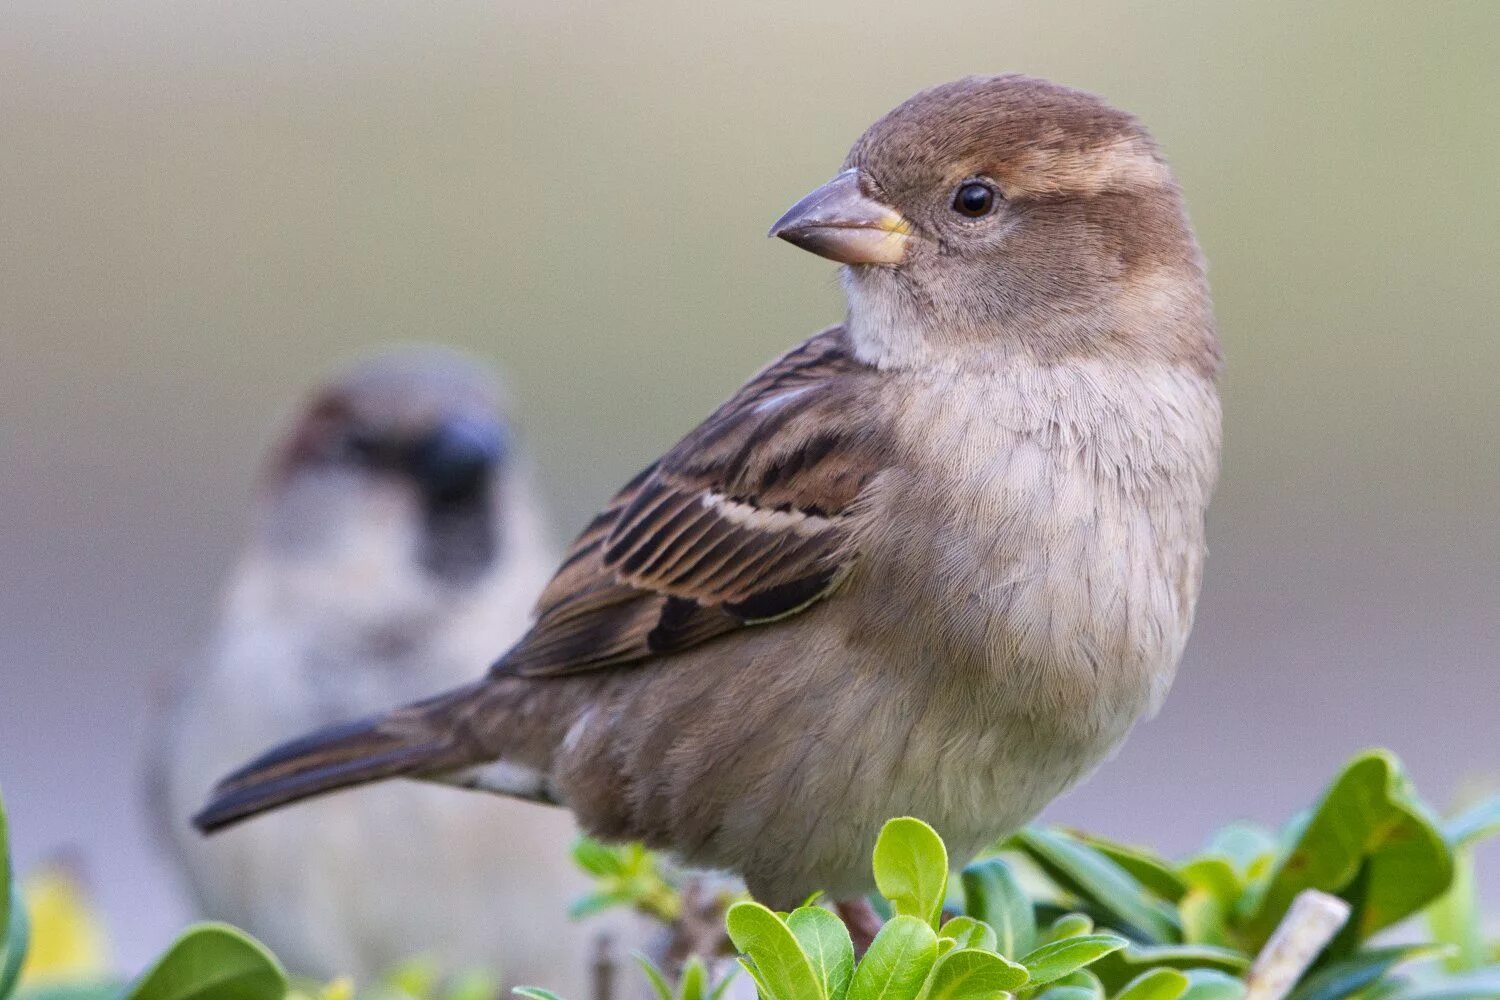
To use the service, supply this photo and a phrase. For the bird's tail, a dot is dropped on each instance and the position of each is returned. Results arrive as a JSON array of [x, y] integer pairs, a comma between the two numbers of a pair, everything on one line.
[[420, 740]]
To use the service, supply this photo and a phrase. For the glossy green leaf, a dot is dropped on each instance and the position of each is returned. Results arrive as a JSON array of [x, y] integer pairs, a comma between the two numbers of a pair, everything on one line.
[[1211, 984], [1120, 967], [1151, 870], [1058, 959], [1474, 824], [1068, 925], [535, 993], [898, 962], [971, 974], [970, 933], [1347, 977], [1068, 993], [993, 894], [773, 954], [826, 943], [911, 868], [1081, 869], [212, 962], [1368, 840], [1157, 984], [1083, 979]]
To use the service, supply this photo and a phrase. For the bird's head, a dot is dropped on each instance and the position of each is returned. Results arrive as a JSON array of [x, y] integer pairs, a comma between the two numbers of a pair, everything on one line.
[[405, 454], [1003, 214]]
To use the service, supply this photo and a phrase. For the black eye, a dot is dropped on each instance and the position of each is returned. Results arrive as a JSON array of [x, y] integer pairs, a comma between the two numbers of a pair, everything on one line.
[[974, 199]]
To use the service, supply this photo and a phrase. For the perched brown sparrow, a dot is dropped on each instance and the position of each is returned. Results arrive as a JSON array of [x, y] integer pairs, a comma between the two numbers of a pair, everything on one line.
[[934, 561], [398, 542]]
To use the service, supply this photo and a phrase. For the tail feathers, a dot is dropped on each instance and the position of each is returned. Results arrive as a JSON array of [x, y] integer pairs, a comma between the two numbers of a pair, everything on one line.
[[408, 742]]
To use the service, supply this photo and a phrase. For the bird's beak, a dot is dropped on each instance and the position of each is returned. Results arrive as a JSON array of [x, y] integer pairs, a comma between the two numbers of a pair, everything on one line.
[[839, 221]]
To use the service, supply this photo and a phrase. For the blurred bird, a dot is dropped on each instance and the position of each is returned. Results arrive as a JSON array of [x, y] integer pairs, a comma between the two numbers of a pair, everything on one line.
[[397, 544], [936, 560]]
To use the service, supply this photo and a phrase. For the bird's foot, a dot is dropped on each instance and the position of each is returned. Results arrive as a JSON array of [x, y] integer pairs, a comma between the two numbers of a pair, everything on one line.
[[861, 919]]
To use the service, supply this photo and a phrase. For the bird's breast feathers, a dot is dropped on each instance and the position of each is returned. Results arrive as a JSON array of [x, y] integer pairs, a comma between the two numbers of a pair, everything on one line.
[[1056, 526]]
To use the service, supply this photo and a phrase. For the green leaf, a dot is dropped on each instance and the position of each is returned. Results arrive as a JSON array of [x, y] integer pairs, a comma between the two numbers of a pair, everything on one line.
[[1454, 919], [1345, 978], [212, 962], [1186, 956], [7, 891], [13, 945], [722, 985], [472, 984], [911, 868], [1368, 840], [970, 974], [1120, 967], [775, 957], [1245, 846], [967, 932], [1157, 984], [535, 993], [599, 860], [897, 963], [655, 977], [1211, 984], [825, 941], [1481, 985], [1084, 871], [1069, 925], [993, 894], [69, 991], [598, 902], [1068, 993], [415, 977], [1058, 959], [1475, 824], [694, 979], [1205, 918], [1216, 876], [1150, 869]]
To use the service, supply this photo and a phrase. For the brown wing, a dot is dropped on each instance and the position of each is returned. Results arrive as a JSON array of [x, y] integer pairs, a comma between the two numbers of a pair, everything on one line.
[[744, 521]]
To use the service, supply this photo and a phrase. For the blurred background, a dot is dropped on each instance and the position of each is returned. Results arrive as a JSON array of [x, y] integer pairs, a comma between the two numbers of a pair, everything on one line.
[[205, 205]]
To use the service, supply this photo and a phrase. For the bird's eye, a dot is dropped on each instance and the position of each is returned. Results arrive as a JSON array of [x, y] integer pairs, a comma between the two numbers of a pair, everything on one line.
[[974, 199]]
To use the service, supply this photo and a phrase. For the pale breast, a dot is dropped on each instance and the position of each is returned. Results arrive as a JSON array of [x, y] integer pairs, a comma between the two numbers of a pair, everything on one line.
[[1061, 535]]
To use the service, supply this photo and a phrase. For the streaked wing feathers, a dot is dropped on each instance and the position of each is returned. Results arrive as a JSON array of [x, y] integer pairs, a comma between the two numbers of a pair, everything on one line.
[[744, 521]]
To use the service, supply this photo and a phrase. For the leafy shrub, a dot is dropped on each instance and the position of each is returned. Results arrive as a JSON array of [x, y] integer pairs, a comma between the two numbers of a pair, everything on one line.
[[1054, 914], [1049, 914]]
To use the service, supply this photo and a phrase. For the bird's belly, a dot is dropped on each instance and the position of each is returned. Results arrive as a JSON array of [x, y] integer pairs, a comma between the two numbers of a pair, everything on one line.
[[785, 771]]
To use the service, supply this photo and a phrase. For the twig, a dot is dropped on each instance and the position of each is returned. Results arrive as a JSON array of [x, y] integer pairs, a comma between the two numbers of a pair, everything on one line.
[[699, 928], [604, 967], [1311, 922]]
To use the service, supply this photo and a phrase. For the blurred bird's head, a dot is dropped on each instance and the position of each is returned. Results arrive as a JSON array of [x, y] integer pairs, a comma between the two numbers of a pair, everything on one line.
[[402, 463], [1005, 214]]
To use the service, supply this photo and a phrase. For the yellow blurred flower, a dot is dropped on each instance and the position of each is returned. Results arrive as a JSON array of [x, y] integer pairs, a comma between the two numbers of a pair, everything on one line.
[[68, 942]]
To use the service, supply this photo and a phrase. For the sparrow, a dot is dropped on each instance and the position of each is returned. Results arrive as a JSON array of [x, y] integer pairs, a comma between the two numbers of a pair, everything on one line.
[[398, 541], [935, 561]]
